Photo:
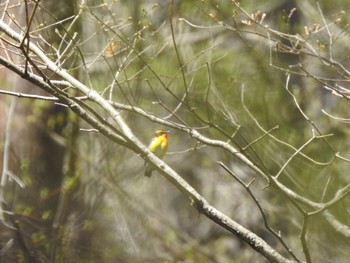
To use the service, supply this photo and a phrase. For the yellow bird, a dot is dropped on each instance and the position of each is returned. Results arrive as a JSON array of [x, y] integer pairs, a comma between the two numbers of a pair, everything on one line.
[[158, 146]]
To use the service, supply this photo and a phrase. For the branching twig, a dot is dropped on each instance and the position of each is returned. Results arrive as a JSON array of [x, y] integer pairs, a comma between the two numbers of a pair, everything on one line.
[[268, 227], [275, 138], [260, 138], [340, 194], [123, 134], [38, 81], [129, 140], [294, 154]]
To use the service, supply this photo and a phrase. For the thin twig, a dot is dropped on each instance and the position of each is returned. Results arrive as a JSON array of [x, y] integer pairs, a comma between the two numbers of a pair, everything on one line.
[[28, 255], [304, 241], [327, 29], [260, 137], [129, 140], [293, 155], [268, 227], [28, 96], [339, 195], [306, 117], [275, 138], [6, 155], [6, 247]]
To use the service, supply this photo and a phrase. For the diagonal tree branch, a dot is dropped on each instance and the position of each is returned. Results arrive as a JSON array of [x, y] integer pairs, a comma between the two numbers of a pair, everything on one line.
[[131, 141]]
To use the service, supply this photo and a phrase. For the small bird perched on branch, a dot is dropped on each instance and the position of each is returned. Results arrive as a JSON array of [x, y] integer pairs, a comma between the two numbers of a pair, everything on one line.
[[158, 146]]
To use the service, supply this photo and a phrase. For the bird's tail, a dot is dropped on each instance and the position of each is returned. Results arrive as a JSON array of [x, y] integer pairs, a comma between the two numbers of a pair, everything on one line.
[[148, 170]]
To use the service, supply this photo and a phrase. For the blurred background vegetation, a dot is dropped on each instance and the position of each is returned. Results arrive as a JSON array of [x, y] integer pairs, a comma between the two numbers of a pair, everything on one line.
[[85, 199]]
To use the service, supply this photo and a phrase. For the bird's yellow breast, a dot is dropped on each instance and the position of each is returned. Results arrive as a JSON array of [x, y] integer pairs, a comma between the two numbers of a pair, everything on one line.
[[159, 146]]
